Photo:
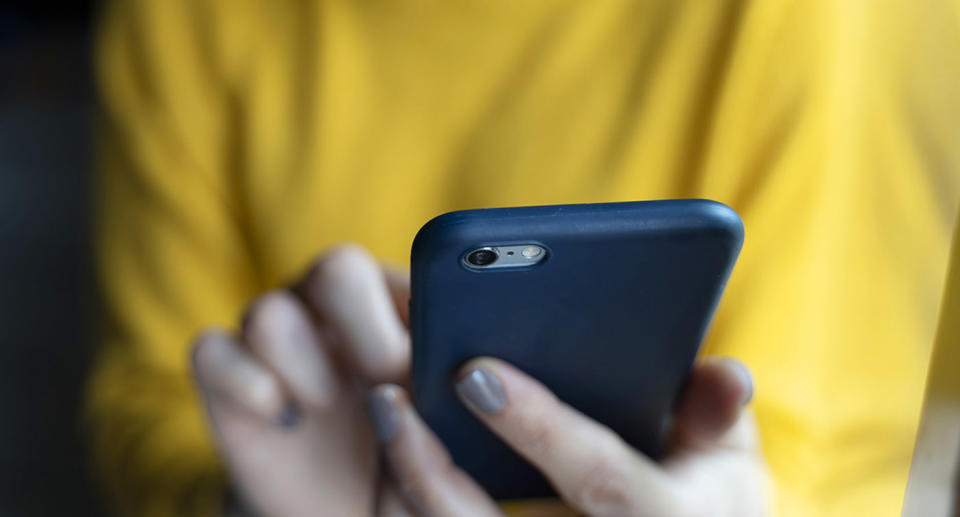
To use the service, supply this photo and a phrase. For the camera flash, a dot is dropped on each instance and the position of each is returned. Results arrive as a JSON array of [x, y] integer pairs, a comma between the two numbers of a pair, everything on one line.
[[531, 251]]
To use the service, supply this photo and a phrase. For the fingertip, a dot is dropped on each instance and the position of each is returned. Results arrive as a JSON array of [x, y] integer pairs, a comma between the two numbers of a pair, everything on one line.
[[229, 376], [746, 379], [384, 404], [342, 261], [348, 292], [202, 347], [263, 312], [490, 363], [278, 330], [418, 461], [480, 388], [714, 397], [733, 378]]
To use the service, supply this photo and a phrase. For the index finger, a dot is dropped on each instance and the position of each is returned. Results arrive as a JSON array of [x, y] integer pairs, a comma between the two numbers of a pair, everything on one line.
[[588, 464]]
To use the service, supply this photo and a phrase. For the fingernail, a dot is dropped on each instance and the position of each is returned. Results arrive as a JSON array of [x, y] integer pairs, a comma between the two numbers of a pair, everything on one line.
[[748, 380], [482, 390], [383, 415], [290, 417]]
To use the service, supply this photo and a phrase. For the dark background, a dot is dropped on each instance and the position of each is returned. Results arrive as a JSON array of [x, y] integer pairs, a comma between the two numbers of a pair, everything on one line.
[[46, 285]]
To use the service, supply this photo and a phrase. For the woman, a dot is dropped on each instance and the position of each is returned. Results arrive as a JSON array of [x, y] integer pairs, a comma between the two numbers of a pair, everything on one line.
[[243, 139]]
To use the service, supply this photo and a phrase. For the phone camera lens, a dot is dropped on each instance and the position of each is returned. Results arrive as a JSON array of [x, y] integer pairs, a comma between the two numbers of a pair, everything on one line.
[[482, 257]]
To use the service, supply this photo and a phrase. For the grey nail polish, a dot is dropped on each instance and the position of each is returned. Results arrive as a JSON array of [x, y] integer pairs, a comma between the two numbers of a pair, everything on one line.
[[748, 377], [383, 415], [482, 390], [289, 418]]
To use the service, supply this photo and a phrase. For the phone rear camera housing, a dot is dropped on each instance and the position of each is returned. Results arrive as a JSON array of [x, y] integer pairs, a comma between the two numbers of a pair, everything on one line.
[[482, 257], [504, 256]]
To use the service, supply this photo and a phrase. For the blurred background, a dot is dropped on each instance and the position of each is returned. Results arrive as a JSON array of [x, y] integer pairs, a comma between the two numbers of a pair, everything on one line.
[[46, 108]]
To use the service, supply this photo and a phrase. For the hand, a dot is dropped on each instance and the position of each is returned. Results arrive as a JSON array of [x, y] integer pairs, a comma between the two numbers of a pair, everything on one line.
[[713, 467], [285, 397], [285, 400]]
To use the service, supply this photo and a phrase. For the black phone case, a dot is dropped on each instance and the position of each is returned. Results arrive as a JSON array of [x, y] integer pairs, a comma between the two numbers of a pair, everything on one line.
[[610, 320]]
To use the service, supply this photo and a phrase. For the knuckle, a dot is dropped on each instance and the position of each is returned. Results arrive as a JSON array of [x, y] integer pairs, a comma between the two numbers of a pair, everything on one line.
[[391, 360], [260, 392], [416, 484], [604, 488], [536, 434], [390, 370], [420, 483]]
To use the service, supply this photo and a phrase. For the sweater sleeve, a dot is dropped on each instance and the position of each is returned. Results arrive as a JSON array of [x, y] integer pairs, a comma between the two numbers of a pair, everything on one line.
[[171, 253]]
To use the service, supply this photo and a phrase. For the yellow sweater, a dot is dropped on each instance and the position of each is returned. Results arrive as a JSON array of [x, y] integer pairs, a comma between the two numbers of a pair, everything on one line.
[[241, 138]]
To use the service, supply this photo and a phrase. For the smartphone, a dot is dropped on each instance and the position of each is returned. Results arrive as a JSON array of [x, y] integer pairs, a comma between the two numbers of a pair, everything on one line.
[[606, 304]]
